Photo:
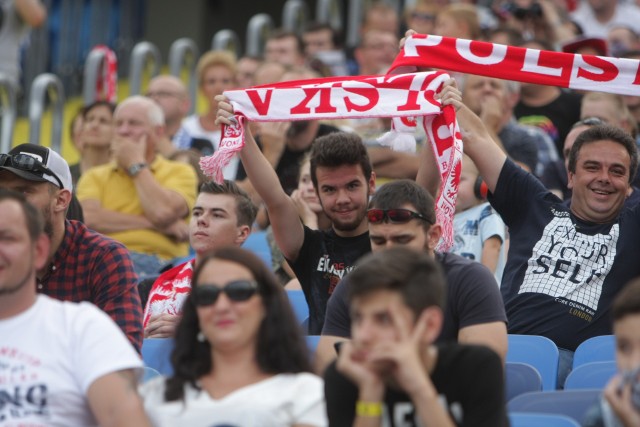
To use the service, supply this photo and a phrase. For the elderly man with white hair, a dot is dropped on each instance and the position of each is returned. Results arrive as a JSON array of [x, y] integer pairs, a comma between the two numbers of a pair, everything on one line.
[[140, 199]]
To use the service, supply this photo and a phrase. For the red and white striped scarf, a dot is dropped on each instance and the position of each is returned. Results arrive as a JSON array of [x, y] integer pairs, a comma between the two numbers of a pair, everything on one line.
[[402, 97]]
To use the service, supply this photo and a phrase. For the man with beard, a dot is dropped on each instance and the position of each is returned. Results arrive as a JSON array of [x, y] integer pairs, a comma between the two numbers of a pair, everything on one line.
[[343, 178], [82, 265], [61, 363]]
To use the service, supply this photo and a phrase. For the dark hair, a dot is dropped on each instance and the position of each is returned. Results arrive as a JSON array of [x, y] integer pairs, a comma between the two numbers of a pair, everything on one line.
[[280, 346], [413, 274], [605, 133], [95, 104], [315, 27], [281, 33], [627, 302], [246, 211], [339, 149], [393, 195], [32, 216]]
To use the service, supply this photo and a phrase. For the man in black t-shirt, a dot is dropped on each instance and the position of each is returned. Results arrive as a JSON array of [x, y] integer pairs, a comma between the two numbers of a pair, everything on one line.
[[391, 373]]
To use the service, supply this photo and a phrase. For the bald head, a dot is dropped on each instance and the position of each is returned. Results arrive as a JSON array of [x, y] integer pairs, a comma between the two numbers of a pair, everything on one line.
[[172, 97]]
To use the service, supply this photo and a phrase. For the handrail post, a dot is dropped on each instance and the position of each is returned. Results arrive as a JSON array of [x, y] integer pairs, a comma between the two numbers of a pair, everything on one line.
[[142, 53], [185, 52], [329, 12], [42, 85], [258, 30], [226, 40], [8, 109], [294, 16], [356, 12]]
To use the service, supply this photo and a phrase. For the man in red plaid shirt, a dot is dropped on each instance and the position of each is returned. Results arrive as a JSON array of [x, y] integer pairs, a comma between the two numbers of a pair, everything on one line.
[[82, 264]]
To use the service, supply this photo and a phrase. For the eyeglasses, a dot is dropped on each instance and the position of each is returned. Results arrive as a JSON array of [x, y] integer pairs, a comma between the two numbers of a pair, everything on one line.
[[27, 163], [589, 121], [395, 216], [236, 290], [162, 94], [424, 16]]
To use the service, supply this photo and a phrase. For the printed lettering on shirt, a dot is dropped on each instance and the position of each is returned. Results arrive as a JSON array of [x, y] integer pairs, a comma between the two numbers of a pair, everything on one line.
[[404, 413], [22, 394], [571, 266], [333, 271]]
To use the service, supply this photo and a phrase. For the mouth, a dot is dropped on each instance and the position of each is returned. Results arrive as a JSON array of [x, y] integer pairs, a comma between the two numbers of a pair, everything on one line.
[[601, 192], [200, 234], [224, 323]]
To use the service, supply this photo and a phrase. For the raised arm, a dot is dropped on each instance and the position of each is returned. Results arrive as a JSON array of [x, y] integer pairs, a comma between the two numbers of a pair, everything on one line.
[[286, 224], [478, 144]]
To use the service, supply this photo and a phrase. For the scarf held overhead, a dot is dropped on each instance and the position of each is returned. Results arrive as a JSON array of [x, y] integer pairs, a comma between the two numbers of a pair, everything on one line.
[[567, 70], [402, 97]]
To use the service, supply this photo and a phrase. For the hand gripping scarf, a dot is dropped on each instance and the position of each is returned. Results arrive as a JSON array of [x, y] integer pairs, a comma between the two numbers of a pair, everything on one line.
[[407, 98]]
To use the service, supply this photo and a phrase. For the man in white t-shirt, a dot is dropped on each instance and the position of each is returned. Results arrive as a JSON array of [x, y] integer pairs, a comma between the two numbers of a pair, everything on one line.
[[61, 363]]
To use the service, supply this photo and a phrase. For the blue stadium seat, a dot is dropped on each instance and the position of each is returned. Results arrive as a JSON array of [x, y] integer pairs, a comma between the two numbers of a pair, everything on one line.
[[521, 378], [591, 375], [156, 354], [596, 349], [571, 403], [258, 244], [523, 419], [299, 304], [539, 352]]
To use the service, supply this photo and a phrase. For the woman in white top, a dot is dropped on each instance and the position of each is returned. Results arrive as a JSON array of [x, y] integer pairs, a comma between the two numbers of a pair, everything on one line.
[[216, 73], [239, 358]]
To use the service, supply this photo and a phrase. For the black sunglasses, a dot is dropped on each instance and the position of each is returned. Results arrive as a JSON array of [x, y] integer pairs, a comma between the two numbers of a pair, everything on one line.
[[589, 121], [27, 163], [395, 216], [236, 290]]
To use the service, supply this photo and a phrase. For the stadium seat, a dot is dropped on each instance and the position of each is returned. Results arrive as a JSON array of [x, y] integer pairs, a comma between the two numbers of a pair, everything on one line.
[[591, 375], [521, 378], [539, 352], [596, 349], [299, 304], [523, 419], [258, 244], [156, 354], [571, 403]]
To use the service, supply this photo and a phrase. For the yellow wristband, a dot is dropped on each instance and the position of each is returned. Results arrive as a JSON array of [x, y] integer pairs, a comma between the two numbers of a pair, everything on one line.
[[368, 409]]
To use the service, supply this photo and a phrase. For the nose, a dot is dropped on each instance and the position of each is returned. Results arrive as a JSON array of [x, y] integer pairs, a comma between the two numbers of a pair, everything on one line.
[[342, 197], [363, 333]]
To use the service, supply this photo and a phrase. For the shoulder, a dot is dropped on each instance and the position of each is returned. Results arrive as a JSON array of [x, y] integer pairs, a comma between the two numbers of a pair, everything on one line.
[[466, 356], [95, 241], [462, 271]]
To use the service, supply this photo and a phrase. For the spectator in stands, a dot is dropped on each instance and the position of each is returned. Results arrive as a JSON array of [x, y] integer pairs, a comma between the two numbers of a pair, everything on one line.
[[376, 52], [458, 20], [173, 98], [96, 134], [392, 370], [322, 50], [140, 198], [18, 17], [421, 17], [62, 363], [81, 265], [610, 108], [619, 406], [564, 265], [342, 176], [216, 72], [474, 312], [622, 39], [223, 215], [381, 17], [550, 108], [597, 17], [239, 357], [284, 47], [246, 69]]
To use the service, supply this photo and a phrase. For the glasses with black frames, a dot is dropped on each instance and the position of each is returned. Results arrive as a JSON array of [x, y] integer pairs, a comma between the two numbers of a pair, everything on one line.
[[236, 290], [394, 216], [27, 163]]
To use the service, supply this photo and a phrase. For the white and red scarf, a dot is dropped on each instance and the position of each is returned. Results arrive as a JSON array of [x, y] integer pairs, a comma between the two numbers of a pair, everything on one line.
[[409, 98], [401, 96]]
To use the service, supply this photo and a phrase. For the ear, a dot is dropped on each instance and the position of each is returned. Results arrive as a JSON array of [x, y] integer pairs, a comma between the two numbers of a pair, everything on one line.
[[431, 318], [243, 234], [62, 200], [372, 183], [41, 247], [570, 176], [433, 237]]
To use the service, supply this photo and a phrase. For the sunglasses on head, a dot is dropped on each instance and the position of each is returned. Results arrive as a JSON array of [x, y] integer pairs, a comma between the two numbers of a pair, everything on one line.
[[394, 216], [236, 290], [589, 121], [27, 163]]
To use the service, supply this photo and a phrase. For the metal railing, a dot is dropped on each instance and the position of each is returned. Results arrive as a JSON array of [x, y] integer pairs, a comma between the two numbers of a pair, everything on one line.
[[227, 40], [329, 12], [46, 84], [184, 54], [95, 70], [294, 16], [143, 53], [258, 30], [8, 109]]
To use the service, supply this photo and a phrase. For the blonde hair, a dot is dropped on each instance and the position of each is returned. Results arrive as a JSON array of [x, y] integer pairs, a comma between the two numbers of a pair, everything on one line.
[[213, 58], [467, 14]]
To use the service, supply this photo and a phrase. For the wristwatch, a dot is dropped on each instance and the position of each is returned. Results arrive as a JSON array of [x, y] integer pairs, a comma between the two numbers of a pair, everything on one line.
[[135, 169]]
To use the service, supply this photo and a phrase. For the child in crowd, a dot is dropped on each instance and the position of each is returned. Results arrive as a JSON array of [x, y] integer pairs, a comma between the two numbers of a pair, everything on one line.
[[479, 232]]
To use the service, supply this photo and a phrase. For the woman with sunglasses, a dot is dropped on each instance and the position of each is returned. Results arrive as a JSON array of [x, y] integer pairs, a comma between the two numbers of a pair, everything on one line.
[[239, 358]]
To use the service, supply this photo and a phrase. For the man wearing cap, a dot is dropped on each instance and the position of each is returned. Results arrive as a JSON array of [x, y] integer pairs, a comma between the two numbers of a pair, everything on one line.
[[82, 265], [140, 198]]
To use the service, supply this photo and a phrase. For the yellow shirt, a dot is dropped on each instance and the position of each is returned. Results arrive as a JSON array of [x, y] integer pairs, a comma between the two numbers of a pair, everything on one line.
[[116, 191]]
